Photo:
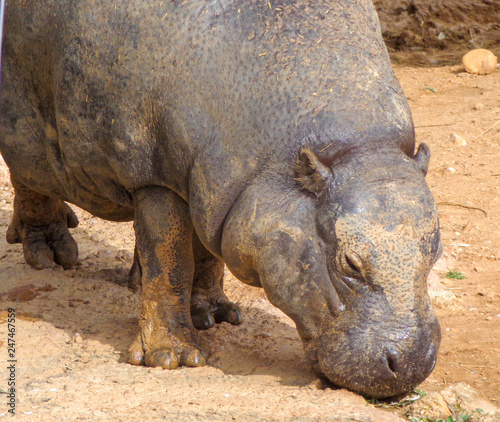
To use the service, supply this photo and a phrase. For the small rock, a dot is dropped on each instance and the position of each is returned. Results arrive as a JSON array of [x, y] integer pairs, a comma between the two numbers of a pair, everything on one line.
[[468, 399], [316, 384], [457, 140], [85, 359], [444, 299], [479, 61], [432, 406], [461, 398], [451, 170], [468, 227], [77, 338], [478, 106]]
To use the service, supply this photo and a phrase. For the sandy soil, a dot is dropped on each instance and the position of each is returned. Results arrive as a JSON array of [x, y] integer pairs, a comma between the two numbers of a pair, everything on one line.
[[73, 327], [465, 181]]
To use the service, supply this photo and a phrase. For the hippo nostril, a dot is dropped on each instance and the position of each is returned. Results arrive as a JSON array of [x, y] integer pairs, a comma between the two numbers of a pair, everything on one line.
[[391, 363], [394, 361]]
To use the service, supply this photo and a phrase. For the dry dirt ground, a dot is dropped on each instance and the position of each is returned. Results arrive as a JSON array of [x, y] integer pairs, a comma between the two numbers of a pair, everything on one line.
[[451, 25], [73, 327]]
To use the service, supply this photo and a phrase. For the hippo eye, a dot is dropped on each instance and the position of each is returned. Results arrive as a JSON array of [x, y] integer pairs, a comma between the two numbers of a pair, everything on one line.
[[352, 264]]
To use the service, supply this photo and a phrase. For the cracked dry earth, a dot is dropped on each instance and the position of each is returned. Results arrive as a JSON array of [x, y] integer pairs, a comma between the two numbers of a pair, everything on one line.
[[73, 327]]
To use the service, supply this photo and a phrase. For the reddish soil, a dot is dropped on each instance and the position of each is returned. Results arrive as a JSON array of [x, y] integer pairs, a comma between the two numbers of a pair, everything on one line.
[[465, 181]]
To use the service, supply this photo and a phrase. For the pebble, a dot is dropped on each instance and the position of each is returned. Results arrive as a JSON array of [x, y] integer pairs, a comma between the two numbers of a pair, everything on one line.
[[478, 106], [468, 227], [479, 61], [451, 170], [457, 140], [316, 384]]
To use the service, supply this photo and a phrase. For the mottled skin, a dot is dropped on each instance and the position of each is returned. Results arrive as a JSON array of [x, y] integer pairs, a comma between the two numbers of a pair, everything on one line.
[[272, 136]]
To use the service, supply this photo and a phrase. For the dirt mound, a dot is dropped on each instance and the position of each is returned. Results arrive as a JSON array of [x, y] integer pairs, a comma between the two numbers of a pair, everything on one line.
[[413, 24]]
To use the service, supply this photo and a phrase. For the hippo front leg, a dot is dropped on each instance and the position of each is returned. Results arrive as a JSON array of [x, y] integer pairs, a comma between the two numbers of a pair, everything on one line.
[[164, 246], [135, 273], [209, 304]]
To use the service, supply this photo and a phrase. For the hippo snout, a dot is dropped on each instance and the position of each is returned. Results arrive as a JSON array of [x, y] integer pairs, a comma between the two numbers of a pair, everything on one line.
[[381, 362]]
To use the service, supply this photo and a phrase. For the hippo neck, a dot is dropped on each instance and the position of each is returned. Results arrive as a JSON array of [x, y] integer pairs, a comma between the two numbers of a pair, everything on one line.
[[360, 166]]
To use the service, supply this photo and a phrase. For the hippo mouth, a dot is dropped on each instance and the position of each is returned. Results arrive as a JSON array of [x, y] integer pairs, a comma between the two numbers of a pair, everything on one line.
[[375, 367]]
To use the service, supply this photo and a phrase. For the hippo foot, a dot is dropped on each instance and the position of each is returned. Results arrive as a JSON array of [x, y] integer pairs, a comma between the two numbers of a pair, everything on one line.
[[164, 350], [206, 314], [41, 224]]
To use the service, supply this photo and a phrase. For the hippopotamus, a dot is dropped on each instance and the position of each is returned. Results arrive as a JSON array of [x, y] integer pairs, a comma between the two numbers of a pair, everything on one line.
[[272, 136]]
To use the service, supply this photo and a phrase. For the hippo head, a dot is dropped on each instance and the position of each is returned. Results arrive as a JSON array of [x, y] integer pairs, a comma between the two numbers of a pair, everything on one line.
[[346, 255]]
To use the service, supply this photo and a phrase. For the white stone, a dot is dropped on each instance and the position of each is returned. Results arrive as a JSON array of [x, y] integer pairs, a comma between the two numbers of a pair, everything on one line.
[[457, 140]]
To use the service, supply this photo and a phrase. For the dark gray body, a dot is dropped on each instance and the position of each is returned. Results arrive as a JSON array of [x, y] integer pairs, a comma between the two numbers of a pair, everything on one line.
[[214, 101], [201, 102]]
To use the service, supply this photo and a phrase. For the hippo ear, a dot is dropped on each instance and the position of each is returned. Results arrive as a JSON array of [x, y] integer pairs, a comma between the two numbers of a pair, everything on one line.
[[312, 175], [422, 157]]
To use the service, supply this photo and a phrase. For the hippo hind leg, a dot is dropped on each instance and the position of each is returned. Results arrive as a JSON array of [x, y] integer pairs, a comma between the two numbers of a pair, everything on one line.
[[41, 224], [209, 304]]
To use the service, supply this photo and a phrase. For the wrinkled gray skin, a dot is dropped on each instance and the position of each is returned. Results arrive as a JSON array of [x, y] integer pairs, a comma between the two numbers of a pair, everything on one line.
[[273, 132]]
